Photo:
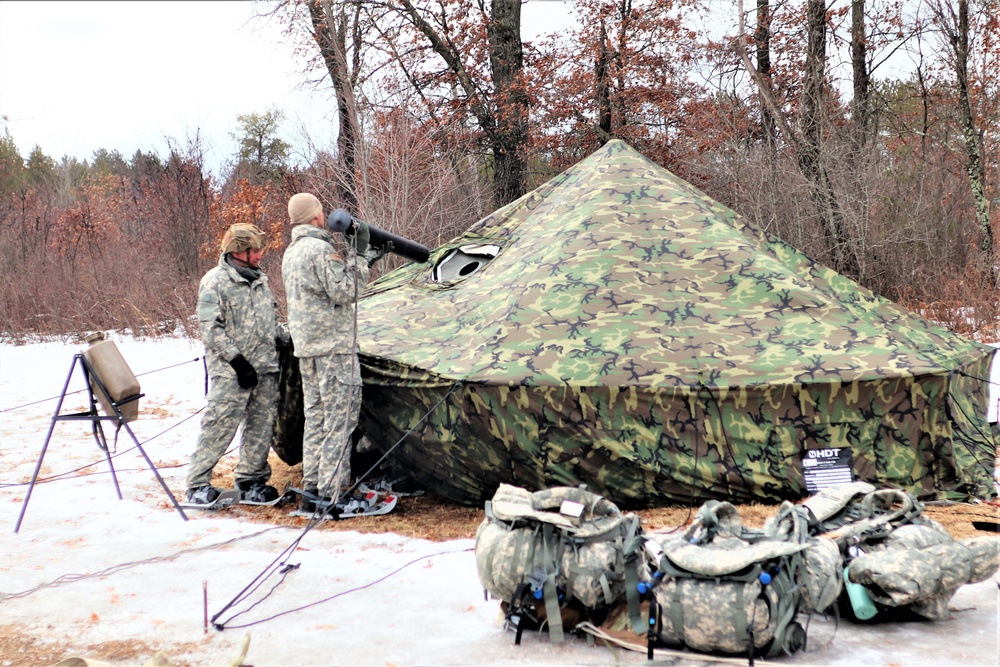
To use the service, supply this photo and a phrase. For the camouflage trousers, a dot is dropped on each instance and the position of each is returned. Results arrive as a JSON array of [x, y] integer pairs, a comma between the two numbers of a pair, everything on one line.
[[331, 397], [228, 406]]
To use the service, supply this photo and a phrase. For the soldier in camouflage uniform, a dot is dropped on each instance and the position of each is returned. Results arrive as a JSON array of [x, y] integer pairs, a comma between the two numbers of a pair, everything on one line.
[[321, 289], [238, 318]]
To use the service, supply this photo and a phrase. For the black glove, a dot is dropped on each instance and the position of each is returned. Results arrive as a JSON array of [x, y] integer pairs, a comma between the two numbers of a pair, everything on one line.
[[245, 372], [362, 236], [375, 253]]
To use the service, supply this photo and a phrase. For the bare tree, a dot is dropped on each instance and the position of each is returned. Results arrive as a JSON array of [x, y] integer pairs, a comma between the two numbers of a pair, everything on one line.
[[953, 21], [807, 142], [499, 104], [762, 40], [861, 102], [338, 32], [362, 38]]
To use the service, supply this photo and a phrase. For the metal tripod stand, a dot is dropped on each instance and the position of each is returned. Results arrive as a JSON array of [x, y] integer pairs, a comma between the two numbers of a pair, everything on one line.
[[94, 382]]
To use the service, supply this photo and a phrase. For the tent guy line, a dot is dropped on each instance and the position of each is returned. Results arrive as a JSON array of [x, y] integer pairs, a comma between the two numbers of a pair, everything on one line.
[[114, 569], [78, 391], [61, 476], [222, 625], [313, 521]]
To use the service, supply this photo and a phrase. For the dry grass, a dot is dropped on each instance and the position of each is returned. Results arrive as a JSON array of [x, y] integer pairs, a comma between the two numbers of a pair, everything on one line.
[[18, 647], [431, 518]]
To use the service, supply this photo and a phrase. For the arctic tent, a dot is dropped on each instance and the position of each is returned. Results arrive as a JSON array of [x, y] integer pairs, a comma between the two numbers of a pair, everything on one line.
[[619, 329]]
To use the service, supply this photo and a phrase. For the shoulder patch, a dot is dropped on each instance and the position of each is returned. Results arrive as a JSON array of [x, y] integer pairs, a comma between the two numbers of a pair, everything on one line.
[[207, 310], [336, 257]]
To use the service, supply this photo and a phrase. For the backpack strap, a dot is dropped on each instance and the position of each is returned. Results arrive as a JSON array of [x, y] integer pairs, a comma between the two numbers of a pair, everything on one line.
[[743, 626], [874, 516], [549, 593], [654, 626], [788, 593], [516, 605], [631, 553], [677, 612], [525, 543]]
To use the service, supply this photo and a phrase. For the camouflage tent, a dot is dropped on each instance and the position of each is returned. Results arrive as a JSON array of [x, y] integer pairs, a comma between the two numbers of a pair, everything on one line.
[[618, 328]]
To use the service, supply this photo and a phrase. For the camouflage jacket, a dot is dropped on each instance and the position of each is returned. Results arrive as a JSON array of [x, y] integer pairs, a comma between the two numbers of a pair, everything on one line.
[[235, 317], [321, 289]]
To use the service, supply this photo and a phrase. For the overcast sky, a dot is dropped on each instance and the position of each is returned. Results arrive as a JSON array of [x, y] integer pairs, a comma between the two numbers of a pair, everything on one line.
[[127, 76]]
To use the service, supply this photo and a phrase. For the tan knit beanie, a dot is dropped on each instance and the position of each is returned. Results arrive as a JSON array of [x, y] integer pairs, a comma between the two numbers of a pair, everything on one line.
[[303, 207]]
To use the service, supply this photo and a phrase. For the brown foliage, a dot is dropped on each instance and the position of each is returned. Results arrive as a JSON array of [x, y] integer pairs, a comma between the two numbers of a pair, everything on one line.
[[263, 205], [125, 247], [622, 74], [117, 253]]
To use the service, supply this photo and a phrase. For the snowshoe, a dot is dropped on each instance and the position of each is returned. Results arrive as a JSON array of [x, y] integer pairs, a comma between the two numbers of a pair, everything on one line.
[[210, 498], [402, 487], [308, 498], [258, 493], [203, 495], [354, 505]]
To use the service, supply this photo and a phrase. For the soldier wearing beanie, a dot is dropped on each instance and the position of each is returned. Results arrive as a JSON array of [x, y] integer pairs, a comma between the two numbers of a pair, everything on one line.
[[238, 319], [321, 288], [303, 209]]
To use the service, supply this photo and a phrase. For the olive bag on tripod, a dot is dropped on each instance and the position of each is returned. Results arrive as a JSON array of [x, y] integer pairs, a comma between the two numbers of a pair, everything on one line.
[[558, 556]]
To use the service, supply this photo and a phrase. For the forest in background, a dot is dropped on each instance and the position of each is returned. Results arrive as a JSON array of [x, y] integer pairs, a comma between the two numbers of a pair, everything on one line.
[[786, 112]]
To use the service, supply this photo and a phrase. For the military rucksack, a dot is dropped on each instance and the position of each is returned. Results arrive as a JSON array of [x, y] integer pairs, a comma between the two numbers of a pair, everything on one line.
[[719, 587], [901, 558], [557, 557]]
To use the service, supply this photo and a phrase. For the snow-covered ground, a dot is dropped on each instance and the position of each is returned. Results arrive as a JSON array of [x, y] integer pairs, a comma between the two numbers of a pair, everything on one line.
[[86, 568]]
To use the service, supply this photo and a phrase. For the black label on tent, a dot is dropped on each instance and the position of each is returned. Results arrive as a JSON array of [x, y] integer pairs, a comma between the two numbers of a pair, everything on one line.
[[826, 467]]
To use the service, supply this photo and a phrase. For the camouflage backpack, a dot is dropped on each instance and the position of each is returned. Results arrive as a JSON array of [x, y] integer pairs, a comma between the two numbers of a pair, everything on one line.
[[901, 558], [557, 557], [719, 587]]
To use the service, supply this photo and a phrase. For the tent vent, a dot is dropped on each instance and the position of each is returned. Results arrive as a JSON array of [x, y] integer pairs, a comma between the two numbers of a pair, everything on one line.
[[464, 261]]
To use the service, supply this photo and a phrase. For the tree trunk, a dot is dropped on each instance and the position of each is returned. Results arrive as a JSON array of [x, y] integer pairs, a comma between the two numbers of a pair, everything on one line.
[[762, 39], [331, 25], [601, 68], [971, 137], [811, 102], [861, 103], [510, 100], [810, 154]]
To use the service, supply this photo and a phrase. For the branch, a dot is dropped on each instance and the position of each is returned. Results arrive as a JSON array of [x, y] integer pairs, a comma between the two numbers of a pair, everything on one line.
[[451, 58], [738, 46]]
